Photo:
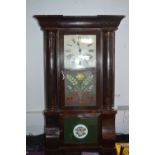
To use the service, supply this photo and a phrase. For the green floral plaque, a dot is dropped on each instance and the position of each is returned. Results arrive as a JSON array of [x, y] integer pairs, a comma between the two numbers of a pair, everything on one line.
[[80, 130]]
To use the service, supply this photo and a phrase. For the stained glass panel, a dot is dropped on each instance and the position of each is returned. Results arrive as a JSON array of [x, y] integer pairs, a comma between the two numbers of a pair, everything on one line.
[[80, 87]]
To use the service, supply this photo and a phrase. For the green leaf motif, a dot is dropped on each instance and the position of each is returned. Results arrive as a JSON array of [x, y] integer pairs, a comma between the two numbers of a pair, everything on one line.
[[87, 80], [71, 79]]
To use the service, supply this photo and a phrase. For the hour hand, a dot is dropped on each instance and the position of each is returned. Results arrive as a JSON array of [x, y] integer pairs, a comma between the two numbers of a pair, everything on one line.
[[80, 50], [73, 40], [78, 44]]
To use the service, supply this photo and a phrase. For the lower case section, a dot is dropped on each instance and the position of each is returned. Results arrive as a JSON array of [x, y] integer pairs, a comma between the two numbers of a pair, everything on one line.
[[80, 132], [75, 151]]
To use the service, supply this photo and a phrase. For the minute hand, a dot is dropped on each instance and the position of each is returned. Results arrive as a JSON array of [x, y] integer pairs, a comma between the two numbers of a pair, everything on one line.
[[80, 50]]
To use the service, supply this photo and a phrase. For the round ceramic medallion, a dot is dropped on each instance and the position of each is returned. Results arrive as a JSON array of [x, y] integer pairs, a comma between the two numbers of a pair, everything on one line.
[[80, 131]]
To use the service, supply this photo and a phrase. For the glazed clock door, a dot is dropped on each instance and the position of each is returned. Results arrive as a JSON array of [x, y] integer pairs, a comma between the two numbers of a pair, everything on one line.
[[79, 69]]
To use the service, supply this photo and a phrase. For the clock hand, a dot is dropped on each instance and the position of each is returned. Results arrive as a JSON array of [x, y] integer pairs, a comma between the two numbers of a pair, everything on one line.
[[73, 40], [79, 47], [78, 43], [80, 50]]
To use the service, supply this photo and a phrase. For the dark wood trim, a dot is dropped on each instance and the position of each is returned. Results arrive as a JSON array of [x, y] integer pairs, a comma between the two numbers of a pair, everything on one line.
[[60, 52], [64, 150], [108, 130], [78, 111], [50, 72], [106, 22], [108, 69]]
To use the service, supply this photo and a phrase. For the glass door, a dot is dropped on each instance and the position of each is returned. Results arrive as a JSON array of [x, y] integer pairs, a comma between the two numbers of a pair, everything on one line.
[[80, 69]]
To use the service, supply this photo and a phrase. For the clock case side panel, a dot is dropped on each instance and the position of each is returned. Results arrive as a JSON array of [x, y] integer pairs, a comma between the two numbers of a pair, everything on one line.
[[60, 66], [51, 115]]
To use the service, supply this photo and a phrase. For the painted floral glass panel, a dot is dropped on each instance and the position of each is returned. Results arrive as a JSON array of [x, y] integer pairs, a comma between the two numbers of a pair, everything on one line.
[[80, 87]]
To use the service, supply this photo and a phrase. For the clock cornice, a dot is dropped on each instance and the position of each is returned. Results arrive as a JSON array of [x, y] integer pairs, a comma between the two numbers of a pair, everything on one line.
[[105, 22]]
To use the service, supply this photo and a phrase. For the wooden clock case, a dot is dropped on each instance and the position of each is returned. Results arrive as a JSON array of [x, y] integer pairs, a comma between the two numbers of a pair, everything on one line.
[[56, 113]]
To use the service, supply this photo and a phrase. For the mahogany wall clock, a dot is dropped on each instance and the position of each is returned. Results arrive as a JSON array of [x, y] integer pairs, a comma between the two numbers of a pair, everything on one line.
[[79, 65]]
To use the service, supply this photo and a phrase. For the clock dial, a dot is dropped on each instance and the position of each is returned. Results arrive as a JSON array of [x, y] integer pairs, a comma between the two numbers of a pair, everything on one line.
[[79, 51]]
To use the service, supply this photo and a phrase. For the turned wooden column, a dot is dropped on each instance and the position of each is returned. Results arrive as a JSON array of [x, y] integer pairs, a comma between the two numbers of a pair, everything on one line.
[[108, 68], [50, 70]]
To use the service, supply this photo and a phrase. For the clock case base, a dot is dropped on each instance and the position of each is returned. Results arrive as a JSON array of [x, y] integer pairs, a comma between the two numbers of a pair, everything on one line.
[[54, 140], [100, 150]]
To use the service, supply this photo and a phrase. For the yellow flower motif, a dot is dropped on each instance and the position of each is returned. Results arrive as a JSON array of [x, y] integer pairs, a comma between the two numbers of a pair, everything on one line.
[[80, 76]]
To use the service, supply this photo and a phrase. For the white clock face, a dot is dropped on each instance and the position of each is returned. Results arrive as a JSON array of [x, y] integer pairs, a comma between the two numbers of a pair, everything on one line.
[[79, 51]]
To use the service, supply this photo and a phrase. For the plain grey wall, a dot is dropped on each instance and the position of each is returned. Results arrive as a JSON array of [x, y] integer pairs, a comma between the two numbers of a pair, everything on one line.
[[34, 57]]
